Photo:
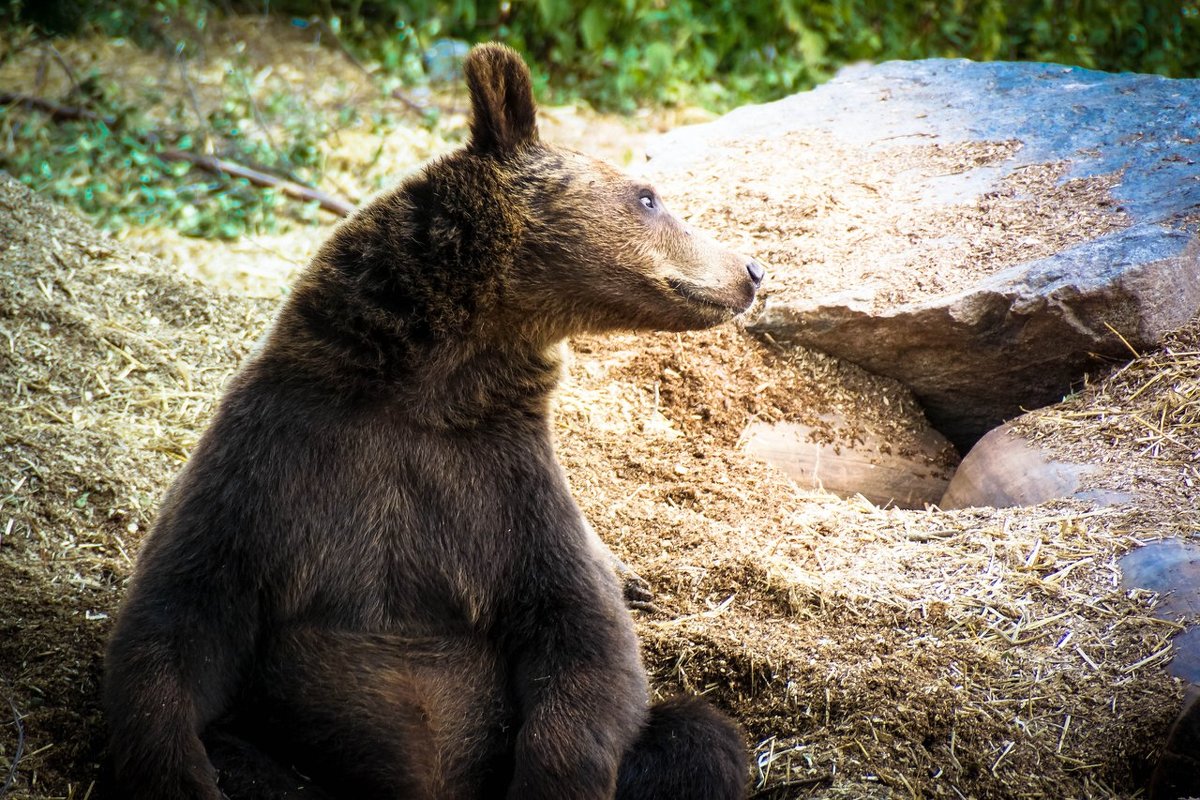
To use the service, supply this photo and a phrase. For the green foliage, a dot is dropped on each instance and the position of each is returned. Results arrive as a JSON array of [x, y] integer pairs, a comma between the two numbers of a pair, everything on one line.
[[622, 53], [720, 52], [115, 172]]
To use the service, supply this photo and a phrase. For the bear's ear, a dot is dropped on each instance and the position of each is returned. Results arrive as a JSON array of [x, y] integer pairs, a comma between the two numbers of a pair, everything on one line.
[[505, 117]]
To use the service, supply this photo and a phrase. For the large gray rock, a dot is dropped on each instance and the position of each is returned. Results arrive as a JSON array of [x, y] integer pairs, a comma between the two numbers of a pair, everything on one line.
[[999, 321]]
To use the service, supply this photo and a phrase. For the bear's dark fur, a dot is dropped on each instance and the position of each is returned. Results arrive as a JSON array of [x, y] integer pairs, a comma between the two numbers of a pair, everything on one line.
[[371, 571]]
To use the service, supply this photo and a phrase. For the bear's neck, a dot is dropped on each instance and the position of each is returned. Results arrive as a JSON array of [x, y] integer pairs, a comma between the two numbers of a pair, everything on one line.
[[456, 381], [472, 384]]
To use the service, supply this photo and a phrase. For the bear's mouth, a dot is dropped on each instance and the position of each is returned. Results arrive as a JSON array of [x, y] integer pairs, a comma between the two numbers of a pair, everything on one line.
[[695, 294]]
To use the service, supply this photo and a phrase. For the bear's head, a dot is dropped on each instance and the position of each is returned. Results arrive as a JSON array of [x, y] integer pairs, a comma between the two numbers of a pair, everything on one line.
[[599, 249], [510, 235]]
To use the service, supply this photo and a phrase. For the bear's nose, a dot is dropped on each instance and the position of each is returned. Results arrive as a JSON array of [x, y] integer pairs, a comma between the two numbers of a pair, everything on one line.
[[757, 273]]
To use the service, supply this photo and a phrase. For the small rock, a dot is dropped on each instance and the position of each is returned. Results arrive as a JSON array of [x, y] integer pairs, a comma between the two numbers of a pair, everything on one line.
[[867, 466], [1005, 470], [1171, 568], [444, 58]]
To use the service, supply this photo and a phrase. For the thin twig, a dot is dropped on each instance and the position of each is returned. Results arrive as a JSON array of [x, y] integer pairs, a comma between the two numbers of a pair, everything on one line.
[[18, 752], [353, 59], [193, 98], [258, 117], [398, 94], [54, 110], [39, 78], [395, 94], [62, 62], [409, 103], [1124, 341], [298, 191]]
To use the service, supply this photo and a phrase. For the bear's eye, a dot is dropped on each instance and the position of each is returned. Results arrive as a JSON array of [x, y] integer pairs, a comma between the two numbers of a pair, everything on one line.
[[646, 198]]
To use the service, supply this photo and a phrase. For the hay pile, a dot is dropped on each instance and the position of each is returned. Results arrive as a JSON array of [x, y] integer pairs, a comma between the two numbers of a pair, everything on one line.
[[891, 653], [108, 368], [868, 652]]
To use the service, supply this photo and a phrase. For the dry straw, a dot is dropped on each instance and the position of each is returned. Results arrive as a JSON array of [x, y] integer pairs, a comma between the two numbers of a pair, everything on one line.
[[868, 652]]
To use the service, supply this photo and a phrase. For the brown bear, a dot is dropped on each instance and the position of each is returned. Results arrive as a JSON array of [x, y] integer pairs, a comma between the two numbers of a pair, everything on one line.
[[370, 579]]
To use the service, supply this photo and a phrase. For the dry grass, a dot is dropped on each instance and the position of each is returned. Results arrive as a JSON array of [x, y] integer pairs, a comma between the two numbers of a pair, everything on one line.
[[868, 652], [889, 653], [108, 367], [1148, 410]]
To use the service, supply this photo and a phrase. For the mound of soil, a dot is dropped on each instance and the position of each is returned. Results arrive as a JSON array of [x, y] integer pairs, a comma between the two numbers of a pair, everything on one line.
[[867, 652]]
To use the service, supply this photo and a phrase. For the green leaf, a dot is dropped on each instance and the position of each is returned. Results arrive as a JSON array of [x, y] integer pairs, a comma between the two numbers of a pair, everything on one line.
[[553, 13], [593, 24], [657, 58]]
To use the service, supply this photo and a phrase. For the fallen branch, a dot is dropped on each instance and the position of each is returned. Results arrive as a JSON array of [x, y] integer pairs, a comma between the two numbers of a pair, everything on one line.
[[298, 191], [53, 109], [219, 166]]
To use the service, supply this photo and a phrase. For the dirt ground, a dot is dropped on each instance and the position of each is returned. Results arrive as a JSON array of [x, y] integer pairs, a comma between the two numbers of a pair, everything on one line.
[[868, 652]]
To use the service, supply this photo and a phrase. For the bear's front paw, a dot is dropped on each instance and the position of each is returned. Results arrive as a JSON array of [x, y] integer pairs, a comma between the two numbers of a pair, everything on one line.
[[636, 589]]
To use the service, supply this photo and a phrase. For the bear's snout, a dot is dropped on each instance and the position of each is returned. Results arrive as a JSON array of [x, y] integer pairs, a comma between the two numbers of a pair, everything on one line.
[[757, 273]]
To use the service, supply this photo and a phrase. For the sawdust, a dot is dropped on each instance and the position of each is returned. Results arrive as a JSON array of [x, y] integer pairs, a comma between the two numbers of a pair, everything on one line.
[[868, 652], [888, 226]]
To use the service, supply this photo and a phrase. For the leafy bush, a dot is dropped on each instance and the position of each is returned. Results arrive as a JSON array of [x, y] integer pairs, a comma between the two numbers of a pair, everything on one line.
[[620, 53], [720, 52]]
